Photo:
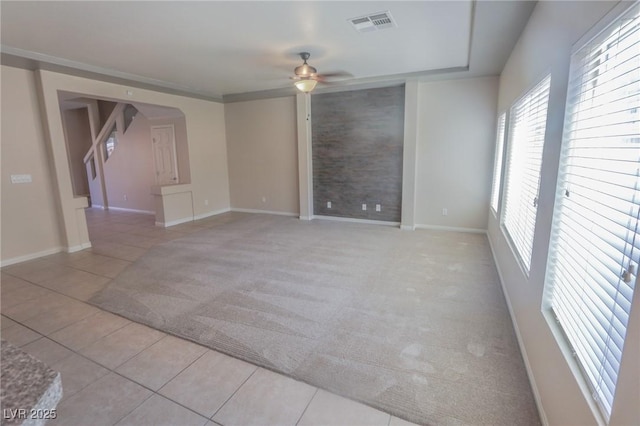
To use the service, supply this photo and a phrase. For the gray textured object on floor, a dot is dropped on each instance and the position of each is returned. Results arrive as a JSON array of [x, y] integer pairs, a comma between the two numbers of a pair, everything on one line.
[[27, 384], [413, 323]]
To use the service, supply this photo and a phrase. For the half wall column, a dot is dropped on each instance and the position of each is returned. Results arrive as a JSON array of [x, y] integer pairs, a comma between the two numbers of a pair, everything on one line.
[[305, 169], [409, 156]]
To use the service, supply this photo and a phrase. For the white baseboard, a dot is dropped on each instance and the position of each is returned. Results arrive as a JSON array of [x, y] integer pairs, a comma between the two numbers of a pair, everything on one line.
[[451, 228], [306, 217], [212, 213], [31, 256], [122, 209], [79, 247], [407, 227], [174, 222], [233, 209], [525, 357], [355, 220], [191, 219]]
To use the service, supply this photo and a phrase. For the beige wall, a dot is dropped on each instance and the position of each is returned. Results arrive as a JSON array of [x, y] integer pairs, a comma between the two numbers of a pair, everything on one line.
[[263, 156], [29, 223], [78, 136], [455, 143], [129, 172], [544, 47]]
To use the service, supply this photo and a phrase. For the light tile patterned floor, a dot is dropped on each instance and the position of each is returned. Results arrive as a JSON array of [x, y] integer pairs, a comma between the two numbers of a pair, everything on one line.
[[115, 371]]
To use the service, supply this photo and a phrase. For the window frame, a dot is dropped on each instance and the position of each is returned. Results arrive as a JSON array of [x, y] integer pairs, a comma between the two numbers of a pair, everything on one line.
[[498, 163], [112, 139], [524, 265]]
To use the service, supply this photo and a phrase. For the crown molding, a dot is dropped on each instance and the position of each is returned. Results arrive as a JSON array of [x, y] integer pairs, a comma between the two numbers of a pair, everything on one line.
[[25, 59]]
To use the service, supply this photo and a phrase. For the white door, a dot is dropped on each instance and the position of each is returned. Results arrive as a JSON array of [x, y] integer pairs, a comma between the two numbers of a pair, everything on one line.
[[164, 154]]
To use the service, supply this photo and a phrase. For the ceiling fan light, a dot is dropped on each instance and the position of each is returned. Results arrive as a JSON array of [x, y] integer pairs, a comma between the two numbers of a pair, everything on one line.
[[305, 85]]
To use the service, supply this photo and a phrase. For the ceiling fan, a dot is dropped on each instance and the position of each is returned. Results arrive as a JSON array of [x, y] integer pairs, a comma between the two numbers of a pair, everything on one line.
[[306, 77]]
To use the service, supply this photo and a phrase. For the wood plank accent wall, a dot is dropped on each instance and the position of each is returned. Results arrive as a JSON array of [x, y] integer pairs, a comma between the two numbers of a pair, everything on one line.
[[357, 139]]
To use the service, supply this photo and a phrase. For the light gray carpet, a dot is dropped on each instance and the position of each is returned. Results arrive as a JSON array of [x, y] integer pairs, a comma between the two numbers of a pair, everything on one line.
[[413, 323]]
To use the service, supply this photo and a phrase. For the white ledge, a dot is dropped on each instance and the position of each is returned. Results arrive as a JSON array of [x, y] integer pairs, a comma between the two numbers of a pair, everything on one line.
[[170, 189]]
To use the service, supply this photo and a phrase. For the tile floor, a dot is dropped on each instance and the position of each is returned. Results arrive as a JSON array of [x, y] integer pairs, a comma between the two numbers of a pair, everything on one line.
[[115, 371]]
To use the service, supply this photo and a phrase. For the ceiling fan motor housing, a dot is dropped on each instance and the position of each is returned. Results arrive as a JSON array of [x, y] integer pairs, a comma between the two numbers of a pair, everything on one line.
[[305, 70]]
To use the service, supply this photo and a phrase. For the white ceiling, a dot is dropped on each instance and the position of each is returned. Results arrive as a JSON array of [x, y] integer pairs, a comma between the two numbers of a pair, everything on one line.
[[217, 49]]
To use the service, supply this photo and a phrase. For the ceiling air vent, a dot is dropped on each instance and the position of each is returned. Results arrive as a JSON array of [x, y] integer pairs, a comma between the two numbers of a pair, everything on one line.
[[373, 22]]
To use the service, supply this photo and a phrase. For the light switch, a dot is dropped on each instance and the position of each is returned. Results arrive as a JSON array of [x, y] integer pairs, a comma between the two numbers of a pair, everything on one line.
[[21, 179]]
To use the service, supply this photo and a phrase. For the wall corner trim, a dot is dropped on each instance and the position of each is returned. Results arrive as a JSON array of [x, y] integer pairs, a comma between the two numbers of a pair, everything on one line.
[[123, 209], [79, 247], [211, 213], [174, 222]]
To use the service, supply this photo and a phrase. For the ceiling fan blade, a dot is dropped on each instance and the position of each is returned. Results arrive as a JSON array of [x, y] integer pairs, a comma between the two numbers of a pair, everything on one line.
[[315, 77], [336, 74]]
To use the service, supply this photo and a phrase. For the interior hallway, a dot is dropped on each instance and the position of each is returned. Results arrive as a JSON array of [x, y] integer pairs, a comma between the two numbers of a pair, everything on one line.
[[115, 371]]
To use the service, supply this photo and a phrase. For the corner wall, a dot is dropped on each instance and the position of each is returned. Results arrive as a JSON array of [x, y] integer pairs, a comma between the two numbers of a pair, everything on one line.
[[29, 222], [545, 47], [263, 155], [456, 133], [128, 172], [78, 137]]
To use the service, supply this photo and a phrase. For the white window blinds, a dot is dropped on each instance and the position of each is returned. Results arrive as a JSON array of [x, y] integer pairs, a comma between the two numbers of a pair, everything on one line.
[[528, 119], [497, 163], [595, 244]]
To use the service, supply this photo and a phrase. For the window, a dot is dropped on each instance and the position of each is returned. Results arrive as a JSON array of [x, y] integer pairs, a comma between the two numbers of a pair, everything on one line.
[[110, 143], [129, 113], [593, 260], [527, 122], [497, 163]]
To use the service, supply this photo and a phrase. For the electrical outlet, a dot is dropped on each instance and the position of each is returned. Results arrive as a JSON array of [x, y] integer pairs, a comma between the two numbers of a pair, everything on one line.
[[206, 202], [444, 211], [264, 199], [125, 197], [328, 204], [378, 207], [364, 207]]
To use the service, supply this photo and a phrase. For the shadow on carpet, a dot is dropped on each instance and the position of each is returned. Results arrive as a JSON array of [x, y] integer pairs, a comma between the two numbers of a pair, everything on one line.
[[412, 323]]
